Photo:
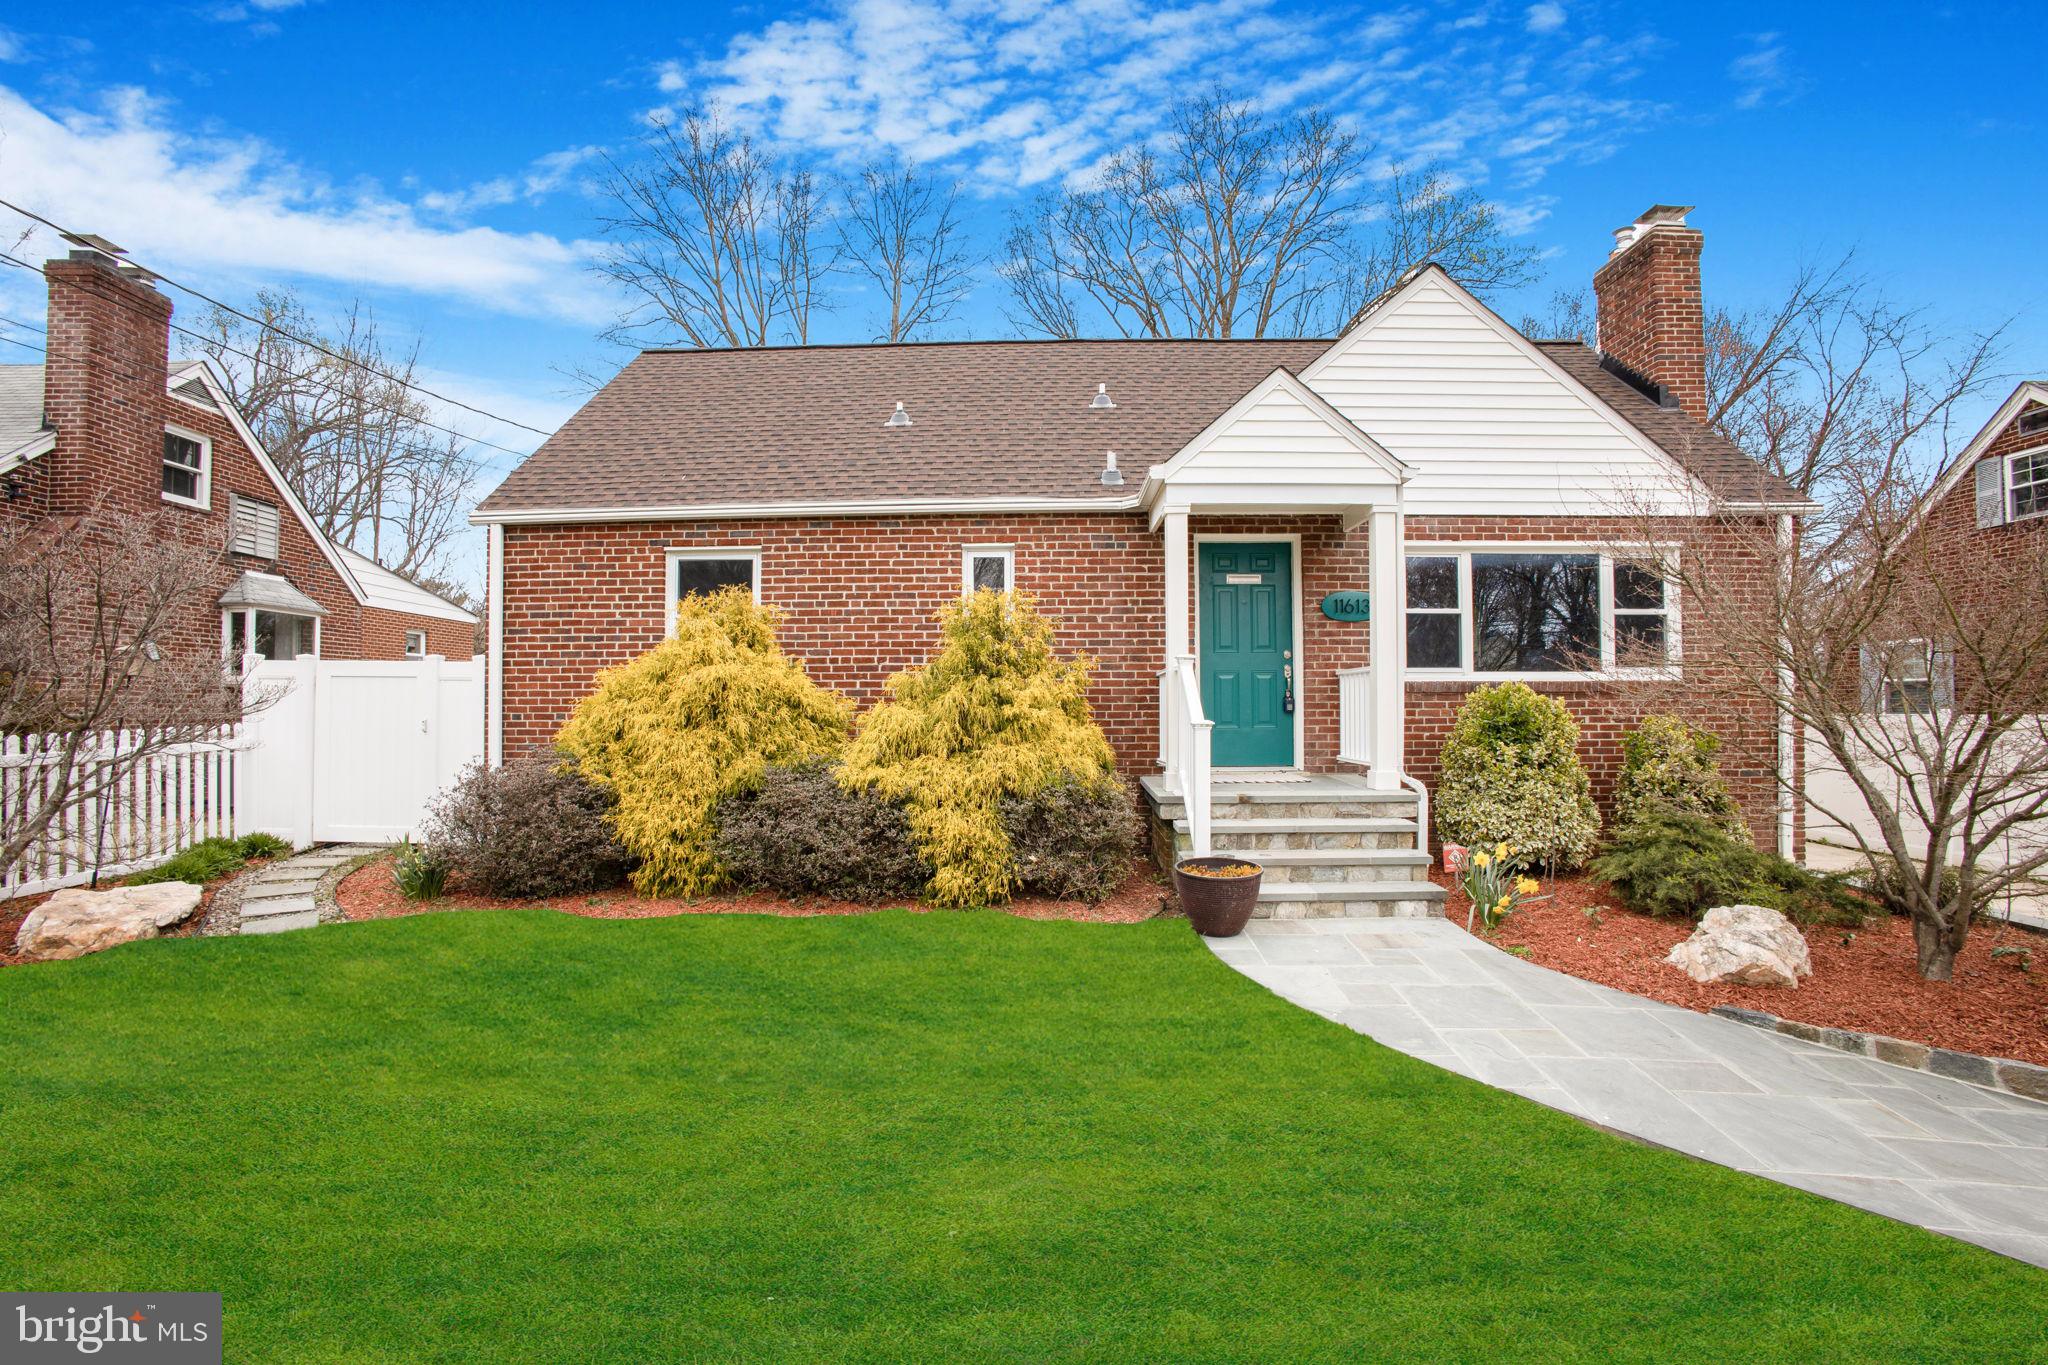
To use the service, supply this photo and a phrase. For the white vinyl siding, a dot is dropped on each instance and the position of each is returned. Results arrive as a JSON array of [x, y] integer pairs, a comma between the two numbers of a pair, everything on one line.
[[252, 527], [1491, 427], [1244, 451]]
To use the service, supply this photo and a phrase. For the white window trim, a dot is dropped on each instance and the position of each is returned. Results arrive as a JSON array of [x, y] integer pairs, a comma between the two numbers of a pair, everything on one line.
[[410, 636], [970, 553], [1607, 672], [674, 557], [2012, 462], [204, 502]]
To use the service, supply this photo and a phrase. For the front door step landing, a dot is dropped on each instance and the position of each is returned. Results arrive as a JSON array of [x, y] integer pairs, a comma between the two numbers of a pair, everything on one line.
[[1960, 1160]]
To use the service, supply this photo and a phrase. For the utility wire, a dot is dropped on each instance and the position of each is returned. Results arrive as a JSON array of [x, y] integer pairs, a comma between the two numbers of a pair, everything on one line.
[[294, 337], [231, 350]]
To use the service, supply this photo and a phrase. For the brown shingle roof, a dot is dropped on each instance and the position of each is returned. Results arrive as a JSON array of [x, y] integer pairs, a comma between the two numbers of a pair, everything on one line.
[[804, 424], [1704, 453], [990, 419]]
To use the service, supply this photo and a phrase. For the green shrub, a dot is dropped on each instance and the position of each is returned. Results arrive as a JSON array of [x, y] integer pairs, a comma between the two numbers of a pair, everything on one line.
[[993, 715], [800, 833], [1669, 862], [206, 861], [696, 718], [1511, 775], [533, 827], [260, 845], [1072, 841], [421, 871], [1666, 762]]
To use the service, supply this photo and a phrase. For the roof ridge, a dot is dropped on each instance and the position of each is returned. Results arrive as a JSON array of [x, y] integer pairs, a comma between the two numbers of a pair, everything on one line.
[[985, 341]]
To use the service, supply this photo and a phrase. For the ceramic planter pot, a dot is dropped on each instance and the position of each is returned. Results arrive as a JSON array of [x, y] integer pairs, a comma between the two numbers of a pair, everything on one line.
[[1218, 907]]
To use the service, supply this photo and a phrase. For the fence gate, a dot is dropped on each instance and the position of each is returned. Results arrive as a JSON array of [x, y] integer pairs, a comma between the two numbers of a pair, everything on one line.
[[351, 750]]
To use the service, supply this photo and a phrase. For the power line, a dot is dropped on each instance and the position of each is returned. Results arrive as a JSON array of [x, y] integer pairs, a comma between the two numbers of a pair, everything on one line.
[[294, 337], [26, 345], [17, 322], [331, 388]]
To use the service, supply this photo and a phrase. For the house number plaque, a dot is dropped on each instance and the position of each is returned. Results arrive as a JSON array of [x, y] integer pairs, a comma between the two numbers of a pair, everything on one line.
[[1348, 606]]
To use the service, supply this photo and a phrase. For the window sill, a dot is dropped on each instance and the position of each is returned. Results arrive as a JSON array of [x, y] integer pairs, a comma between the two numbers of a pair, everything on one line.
[[1575, 682], [193, 503]]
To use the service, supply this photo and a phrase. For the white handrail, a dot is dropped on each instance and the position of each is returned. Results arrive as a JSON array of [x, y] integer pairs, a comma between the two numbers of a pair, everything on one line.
[[1194, 742], [1414, 784]]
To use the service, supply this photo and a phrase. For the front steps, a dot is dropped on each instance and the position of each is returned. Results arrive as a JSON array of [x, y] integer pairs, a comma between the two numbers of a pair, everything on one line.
[[1330, 845]]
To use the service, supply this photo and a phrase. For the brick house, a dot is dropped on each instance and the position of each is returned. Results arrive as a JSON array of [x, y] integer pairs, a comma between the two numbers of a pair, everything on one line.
[[1291, 558], [110, 417]]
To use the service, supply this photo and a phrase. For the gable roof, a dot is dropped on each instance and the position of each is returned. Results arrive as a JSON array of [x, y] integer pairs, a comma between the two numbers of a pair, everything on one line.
[[803, 426], [393, 591], [2027, 391], [995, 425]]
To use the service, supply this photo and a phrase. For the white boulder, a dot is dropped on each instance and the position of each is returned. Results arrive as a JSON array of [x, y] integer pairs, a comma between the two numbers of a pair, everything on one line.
[[1746, 944], [75, 922]]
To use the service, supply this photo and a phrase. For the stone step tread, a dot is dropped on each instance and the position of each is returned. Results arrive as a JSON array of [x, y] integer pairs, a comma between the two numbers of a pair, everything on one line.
[[262, 906], [1349, 891], [277, 924], [1321, 824], [297, 886], [1328, 857]]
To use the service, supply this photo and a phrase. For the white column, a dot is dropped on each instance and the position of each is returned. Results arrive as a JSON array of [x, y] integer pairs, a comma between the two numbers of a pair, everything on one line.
[[494, 668], [1174, 532], [1389, 692]]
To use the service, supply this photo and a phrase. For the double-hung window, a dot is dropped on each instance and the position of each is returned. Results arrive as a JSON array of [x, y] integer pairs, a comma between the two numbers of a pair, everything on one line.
[[1508, 611], [693, 573], [2028, 482], [187, 467], [986, 567]]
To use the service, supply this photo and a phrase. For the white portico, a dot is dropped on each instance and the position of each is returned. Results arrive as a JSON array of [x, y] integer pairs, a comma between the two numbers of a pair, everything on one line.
[[1233, 603]]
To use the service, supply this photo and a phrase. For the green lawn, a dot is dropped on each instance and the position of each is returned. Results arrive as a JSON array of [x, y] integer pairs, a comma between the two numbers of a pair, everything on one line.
[[524, 1136]]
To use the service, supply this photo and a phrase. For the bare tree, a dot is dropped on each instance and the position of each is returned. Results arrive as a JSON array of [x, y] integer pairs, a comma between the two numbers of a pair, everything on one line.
[[1839, 391], [712, 243], [1568, 318], [900, 229], [1240, 224], [348, 434], [91, 614]]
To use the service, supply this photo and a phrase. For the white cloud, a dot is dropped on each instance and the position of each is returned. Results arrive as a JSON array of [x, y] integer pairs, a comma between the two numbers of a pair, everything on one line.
[[541, 178], [11, 47], [1762, 74], [234, 207], [1018, 93]]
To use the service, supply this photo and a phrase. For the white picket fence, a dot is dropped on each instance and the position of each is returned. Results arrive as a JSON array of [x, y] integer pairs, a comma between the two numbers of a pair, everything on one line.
[[169, 799], [342, 750]]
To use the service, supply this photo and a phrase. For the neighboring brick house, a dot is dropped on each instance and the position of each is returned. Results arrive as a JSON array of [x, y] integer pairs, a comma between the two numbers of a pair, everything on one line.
[[1182, 509], [110, 418]]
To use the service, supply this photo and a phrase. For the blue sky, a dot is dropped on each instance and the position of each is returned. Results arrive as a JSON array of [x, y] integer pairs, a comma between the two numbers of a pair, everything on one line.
[[437, 163]]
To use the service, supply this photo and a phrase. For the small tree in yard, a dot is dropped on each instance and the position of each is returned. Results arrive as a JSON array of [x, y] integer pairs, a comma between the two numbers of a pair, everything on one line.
[[994, 715], [90, 613], [1918, 666], [694, 719]]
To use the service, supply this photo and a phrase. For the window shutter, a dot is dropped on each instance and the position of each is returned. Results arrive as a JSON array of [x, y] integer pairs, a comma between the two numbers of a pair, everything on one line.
[[252, 527], [1873, 679], [1943, 672], [1991, 491]]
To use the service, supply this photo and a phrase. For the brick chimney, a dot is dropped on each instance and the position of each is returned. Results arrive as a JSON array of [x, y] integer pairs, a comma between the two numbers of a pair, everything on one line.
[[103, 383], [1651, 319]]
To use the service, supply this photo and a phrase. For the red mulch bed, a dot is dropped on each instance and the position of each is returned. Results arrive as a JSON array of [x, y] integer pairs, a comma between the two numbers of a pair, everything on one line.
[[1863, 979], [369, 893]]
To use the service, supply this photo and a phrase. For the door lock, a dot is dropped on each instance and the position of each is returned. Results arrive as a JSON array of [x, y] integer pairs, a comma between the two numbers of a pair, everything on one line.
[[1287, 684]]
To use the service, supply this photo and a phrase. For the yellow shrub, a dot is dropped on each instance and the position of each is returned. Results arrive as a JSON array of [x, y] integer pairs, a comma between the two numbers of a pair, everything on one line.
[[992, 715], [691, 720]]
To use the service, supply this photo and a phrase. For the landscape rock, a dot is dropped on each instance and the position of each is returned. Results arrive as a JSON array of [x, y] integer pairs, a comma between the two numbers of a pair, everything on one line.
[[75, 922], [1744, 944]]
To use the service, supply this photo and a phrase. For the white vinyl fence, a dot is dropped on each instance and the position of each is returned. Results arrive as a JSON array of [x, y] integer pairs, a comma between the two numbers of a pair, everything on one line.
[[338, 750], [1836, 811]]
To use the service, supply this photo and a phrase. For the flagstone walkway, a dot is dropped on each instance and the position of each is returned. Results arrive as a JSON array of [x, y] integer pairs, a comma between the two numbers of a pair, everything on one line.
[[283, 895], [1964, 1161]]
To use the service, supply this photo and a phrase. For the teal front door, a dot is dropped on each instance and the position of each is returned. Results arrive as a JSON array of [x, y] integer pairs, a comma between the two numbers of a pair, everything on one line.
[[1247, 650]]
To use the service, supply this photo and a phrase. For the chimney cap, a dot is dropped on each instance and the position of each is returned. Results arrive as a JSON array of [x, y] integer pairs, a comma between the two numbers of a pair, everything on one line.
[[1651, 218], [92, 241]]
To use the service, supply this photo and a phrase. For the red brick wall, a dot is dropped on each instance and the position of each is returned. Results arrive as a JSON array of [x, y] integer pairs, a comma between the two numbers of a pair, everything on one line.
[[384, 635], [1960, 548], [1651, 315], [860, 594]]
